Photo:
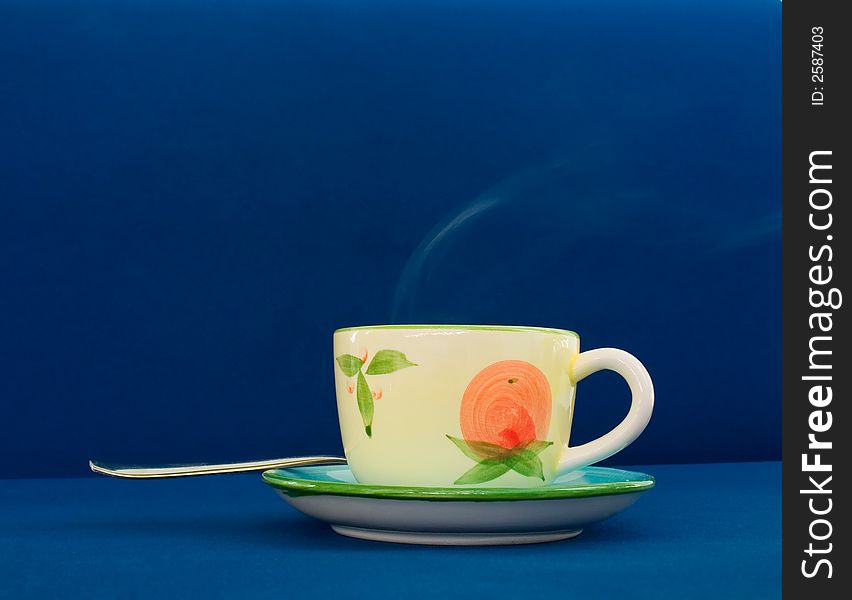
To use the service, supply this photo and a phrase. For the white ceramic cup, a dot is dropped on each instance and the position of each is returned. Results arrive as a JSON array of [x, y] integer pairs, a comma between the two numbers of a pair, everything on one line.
[[474, 405]]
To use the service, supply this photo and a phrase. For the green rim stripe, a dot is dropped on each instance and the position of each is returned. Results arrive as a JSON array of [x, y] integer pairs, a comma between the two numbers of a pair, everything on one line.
[[515, 328], [309, 487]]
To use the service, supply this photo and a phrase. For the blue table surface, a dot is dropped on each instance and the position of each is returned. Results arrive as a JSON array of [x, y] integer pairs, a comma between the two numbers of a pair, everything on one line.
[[709, 530]]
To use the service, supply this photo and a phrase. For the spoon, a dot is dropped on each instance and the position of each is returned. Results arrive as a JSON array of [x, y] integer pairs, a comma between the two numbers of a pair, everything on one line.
[[136, 472]]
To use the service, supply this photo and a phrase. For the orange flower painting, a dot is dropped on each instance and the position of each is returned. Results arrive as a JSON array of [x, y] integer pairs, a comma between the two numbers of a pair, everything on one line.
[[504, 418], [507, 403]]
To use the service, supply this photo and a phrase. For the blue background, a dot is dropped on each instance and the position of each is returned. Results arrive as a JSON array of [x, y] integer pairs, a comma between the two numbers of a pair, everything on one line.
[[194, 195]]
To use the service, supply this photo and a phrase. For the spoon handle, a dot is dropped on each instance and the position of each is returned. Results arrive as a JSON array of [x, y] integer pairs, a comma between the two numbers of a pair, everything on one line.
[[139, 472]]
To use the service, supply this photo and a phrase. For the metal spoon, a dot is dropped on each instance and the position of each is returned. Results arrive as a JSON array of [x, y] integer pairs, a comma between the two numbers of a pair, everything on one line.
[[135, 472]]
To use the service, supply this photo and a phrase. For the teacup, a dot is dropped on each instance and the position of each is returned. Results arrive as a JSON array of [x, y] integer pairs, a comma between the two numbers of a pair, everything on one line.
[[472, 405]]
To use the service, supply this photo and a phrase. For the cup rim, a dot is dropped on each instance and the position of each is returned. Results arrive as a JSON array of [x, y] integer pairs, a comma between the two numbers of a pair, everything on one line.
[[515, 328]]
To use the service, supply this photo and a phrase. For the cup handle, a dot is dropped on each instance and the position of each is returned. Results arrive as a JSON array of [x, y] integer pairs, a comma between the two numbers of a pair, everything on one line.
[[637, 377]]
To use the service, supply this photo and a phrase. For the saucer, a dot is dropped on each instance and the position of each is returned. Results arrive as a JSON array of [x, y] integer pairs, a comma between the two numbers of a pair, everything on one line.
[[458, 516]]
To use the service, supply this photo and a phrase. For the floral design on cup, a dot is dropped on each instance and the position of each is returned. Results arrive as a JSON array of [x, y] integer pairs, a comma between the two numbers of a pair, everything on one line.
[[504, 417], [383, 363]]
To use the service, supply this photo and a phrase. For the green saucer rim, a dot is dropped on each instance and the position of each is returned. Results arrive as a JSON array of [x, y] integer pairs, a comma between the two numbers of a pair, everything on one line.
[[631, 482]]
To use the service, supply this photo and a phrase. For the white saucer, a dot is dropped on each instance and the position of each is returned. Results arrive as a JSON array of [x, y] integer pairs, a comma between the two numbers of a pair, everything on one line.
[[458, 516]]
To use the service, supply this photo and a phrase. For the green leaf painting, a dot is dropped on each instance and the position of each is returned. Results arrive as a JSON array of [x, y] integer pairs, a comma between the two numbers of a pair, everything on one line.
[[478, 450], [462, 445], [483, 471], [349, 364], [492, 460], [526, 463], [365, 403], [388, 361], [383, 363], [537, 446]]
